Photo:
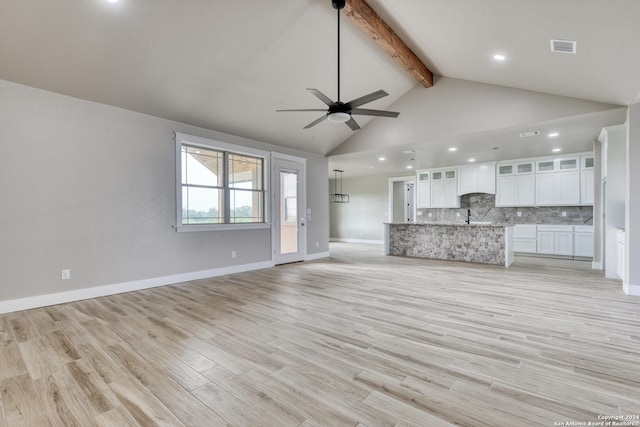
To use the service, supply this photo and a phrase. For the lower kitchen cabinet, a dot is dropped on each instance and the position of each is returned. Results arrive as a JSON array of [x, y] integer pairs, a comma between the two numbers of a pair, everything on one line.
[[564, 240], [583, 241], [546, 242], [564, 243], [525, 238]]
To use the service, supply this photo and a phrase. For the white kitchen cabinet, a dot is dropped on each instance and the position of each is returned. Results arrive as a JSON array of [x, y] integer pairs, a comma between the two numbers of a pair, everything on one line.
[[563, 243], [515, 190], [545, 189], [557, 189], [555, 239], [546, 242], [444, 189], [524, 238], [587, 182], [424, 190], [515, 185], [620, 246], [583, 241], [477, 178]]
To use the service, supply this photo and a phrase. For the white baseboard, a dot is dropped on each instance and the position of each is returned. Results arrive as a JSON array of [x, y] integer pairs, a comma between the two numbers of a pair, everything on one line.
[[596, 265], [311, 257], [367, 242], [629, 289], [118, 288]]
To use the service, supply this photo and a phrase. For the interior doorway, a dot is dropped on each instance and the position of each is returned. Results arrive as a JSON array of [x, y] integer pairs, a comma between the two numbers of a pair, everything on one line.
[[402, 207]]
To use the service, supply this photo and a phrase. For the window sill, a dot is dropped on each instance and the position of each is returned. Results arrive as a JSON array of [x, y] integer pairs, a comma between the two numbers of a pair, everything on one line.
[[222, 227]]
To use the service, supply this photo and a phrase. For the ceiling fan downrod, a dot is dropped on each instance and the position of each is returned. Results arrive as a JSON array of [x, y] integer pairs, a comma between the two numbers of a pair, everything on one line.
[[337, 5]]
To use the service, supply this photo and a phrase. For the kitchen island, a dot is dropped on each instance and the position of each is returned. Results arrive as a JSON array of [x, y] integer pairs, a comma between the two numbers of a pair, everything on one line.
[[479, 243]]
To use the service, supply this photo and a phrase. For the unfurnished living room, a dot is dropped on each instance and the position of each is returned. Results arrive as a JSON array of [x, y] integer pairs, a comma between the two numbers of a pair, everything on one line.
[[319, 213]]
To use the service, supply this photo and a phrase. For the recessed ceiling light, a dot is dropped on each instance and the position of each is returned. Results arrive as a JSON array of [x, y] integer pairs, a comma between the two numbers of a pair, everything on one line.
[[382, 159], [409, 167], [556, 150], [472, 160], [409, 151], [453, 149], [553, 134], [499, 57], [113, 1]]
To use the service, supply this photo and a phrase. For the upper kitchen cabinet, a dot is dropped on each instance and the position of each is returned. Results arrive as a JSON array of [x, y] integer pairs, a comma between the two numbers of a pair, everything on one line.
[[558, 182], [424, 189], [444, 188], [546, 181], [477, 178], [516, 184], [587, 183]]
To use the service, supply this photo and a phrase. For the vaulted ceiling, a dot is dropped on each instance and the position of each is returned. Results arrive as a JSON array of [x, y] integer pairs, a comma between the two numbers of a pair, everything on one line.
[[228, 65]]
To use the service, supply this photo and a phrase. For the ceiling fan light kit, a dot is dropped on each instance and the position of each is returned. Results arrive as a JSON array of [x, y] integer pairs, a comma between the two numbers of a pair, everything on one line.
[[341, 112], [339, 117]]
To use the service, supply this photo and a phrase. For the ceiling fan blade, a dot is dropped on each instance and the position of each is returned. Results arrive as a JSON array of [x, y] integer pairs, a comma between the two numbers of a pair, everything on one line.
[[310, 109], [367, 98], [315, 122], [379, 113], [352, 124], [322, 97]]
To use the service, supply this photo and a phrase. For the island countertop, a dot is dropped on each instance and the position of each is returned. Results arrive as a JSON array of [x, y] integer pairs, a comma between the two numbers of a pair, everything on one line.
[[486, 243]]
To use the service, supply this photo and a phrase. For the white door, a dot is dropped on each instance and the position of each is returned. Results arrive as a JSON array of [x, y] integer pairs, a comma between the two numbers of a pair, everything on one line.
[[289, 216]]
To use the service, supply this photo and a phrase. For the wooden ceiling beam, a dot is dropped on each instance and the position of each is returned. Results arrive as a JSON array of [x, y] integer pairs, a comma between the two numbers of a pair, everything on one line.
[[371, 23]]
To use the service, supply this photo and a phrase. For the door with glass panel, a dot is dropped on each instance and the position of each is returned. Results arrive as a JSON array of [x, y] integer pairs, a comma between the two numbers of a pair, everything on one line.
[[289, 216]]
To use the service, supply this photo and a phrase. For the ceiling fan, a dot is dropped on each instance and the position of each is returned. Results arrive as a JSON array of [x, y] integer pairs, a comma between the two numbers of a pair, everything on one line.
[[342, 112]]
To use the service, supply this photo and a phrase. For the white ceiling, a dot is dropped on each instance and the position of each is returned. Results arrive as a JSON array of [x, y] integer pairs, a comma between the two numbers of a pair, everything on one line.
[[228, 65]]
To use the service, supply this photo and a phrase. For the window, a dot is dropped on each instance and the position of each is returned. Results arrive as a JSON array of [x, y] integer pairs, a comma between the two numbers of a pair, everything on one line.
[[220, 185]]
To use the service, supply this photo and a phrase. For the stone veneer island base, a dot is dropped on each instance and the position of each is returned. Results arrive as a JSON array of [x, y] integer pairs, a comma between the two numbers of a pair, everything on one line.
[[480, 243]]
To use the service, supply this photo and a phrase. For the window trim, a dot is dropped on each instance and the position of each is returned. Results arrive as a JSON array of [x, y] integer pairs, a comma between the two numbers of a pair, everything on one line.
[[206, 143]]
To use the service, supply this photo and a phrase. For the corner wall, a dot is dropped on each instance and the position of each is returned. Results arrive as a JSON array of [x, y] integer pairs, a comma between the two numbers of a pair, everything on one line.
[[91, 188]]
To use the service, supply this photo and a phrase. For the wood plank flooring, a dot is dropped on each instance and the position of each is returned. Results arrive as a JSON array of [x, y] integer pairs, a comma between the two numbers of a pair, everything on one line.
[[359, 339]]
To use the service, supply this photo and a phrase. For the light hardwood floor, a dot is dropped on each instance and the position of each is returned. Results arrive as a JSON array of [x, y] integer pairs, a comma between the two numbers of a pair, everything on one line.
[[356, 340]]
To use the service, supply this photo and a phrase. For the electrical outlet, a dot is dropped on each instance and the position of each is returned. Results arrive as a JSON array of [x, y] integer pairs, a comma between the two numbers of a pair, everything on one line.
[[564, 213], [317, 244], [65, 274], [519, 214], [233, 254], [458, 214], [430, 214], [419, 213]]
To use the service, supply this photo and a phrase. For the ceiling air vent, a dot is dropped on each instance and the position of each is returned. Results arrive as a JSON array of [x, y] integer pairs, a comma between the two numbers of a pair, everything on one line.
[[528, 134], [563, 46]]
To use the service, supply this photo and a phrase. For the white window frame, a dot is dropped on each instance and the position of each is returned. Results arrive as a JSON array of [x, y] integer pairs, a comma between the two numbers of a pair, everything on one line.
[[206, 143]]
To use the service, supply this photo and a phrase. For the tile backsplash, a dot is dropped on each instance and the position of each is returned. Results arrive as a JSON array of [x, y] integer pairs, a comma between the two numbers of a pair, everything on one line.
[[483, 208]]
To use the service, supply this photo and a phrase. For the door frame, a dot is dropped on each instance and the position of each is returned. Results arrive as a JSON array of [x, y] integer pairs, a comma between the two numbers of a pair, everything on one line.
[[405, 179], [301, 165]]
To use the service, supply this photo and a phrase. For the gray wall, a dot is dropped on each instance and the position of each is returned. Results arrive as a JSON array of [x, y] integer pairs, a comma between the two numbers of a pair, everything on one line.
[[632, 228], [91, 187], [367, 210]]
